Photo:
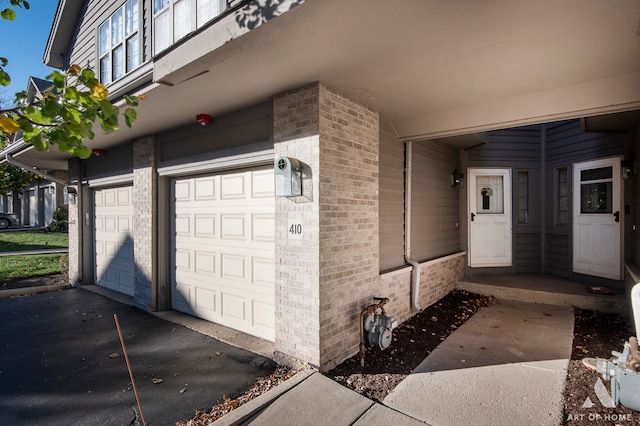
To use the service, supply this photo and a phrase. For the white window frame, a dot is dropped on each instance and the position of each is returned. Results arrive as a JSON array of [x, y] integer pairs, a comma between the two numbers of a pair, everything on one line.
[[129, 42], [196, 18]]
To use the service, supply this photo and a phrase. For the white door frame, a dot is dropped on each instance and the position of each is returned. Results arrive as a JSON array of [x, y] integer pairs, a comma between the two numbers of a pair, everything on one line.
[[598, 235], [490, 217]]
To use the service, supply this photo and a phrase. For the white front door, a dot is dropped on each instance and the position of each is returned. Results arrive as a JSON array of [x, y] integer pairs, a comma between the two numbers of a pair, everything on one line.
[[489, 217], [597, 218]]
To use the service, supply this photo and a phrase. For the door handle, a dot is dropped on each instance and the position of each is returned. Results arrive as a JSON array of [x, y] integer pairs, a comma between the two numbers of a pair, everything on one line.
[[473, 215], [617, 216]]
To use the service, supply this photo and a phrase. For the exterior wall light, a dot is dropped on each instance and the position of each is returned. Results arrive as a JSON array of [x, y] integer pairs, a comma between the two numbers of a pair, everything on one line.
[[457, 179]]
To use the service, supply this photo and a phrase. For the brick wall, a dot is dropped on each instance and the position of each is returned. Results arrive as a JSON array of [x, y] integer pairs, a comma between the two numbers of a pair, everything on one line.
[[349, 208], [297, 296], [438, 277], [144, 204], [325, 279]]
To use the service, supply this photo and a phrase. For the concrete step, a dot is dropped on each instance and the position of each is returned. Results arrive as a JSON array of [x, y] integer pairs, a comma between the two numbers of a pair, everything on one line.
[[551, 291]]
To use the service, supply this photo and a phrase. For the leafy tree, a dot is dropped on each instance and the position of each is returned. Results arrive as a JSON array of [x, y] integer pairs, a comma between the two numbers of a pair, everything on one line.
[[14, 179], [65, 112]]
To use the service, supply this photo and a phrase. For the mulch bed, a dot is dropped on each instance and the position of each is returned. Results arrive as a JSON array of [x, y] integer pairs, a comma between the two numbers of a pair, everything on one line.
[[595, 335]]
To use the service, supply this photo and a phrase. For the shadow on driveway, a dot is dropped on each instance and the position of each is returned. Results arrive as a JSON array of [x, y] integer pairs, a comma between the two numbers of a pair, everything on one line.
[[55, 366]]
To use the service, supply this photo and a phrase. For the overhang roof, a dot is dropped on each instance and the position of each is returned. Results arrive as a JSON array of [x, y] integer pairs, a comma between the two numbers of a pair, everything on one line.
[[435, 69]]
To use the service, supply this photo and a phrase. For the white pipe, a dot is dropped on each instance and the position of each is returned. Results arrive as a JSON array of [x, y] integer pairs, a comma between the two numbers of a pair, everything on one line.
[[415, 275], [35, 170]]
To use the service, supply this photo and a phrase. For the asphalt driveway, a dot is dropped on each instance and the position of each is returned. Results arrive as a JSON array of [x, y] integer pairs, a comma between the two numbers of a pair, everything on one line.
[[57, 365]]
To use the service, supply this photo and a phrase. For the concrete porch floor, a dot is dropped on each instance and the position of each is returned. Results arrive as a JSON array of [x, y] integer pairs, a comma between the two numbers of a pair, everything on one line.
[[546, 289]]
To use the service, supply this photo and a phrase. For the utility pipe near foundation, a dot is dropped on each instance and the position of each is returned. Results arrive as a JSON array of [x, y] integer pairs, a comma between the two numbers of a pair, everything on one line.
[[415, 273]]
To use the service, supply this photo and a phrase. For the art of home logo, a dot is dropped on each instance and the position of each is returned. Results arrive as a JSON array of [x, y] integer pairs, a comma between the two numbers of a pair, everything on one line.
[[606, 401]]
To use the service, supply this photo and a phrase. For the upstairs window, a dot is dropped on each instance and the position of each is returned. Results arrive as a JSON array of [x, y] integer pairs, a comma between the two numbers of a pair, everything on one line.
[[174, 19], [119, 43]]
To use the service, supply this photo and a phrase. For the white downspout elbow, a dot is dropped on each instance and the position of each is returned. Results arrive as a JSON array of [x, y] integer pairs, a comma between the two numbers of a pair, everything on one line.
[[415, 273]]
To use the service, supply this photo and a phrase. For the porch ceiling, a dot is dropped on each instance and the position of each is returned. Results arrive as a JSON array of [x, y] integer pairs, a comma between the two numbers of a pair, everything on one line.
[[435, 69]]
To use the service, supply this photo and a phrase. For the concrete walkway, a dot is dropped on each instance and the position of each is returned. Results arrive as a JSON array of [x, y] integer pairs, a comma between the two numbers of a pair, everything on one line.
[[505, 366]]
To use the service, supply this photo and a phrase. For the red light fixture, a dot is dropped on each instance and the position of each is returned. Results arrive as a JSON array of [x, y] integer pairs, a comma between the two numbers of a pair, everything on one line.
[[98, 152], [203, 119]]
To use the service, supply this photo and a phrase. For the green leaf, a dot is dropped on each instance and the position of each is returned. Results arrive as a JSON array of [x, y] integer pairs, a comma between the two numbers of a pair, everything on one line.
[[8, 14], [4, 62], [82, 151], [130, 116], [58, 79], [39, 143], [5, 80], [133, 101]]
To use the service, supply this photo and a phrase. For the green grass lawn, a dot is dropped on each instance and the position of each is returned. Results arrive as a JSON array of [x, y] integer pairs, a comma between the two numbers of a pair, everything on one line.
[[22, 266], [32, 240], [12, 267]]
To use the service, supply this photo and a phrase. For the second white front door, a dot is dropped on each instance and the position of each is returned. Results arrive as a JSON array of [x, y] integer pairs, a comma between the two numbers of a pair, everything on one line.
[[489, 197], [597, 218]]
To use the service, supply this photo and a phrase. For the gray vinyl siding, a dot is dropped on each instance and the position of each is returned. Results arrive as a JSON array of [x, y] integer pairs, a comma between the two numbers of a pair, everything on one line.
[[115, 162], [557, 252], [84, 49], [391, 199], [567, 144], [517, 147], [238, 132], [435, 204]]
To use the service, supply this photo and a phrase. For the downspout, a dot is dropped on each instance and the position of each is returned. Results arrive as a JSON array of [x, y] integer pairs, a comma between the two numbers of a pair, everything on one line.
[[35, 170], [415, 275]]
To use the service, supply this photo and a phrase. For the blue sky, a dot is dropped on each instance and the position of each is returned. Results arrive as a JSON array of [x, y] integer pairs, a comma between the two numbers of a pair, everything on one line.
[[28, 35]]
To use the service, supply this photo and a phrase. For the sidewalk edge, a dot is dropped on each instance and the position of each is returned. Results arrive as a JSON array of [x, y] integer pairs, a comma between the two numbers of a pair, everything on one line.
[[253, 407]]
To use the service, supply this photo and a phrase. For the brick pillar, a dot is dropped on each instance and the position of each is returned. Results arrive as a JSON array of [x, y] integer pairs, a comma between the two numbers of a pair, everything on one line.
[[144, 222], [324, 280], [74, 227]]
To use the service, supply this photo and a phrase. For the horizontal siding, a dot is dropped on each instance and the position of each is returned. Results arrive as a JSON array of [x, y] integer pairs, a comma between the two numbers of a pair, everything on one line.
[[557, 255], [509, 148], [528, 254], [391, 214], [567, 144], [435, 204]]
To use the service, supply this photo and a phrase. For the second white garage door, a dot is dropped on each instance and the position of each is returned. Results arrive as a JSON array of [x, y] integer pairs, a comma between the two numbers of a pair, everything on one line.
[[223, 249], [113, 235]]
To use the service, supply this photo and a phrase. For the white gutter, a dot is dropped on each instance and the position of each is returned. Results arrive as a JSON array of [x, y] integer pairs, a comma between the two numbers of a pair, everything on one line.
[[35, 170], [415, 275]]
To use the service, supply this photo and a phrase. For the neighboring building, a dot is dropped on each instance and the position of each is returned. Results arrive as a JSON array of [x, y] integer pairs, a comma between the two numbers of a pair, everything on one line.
[[35, 204], [435, 139]]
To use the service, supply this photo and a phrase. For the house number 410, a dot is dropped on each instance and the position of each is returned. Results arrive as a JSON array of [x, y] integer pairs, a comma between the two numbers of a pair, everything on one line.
[[295, 230]]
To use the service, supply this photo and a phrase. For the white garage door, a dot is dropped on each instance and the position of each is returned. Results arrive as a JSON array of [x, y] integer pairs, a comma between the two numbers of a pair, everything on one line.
[[113, 236], [223, 249]]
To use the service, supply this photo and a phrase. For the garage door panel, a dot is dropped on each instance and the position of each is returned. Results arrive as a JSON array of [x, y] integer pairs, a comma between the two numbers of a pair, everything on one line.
[[232, 187], [231, 219], [262, 185], [232, 266], [232, 226], [234, 307], [206, 262], [263, 227], [205, 225], [206, 300], [262, 269], [205, 188]]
